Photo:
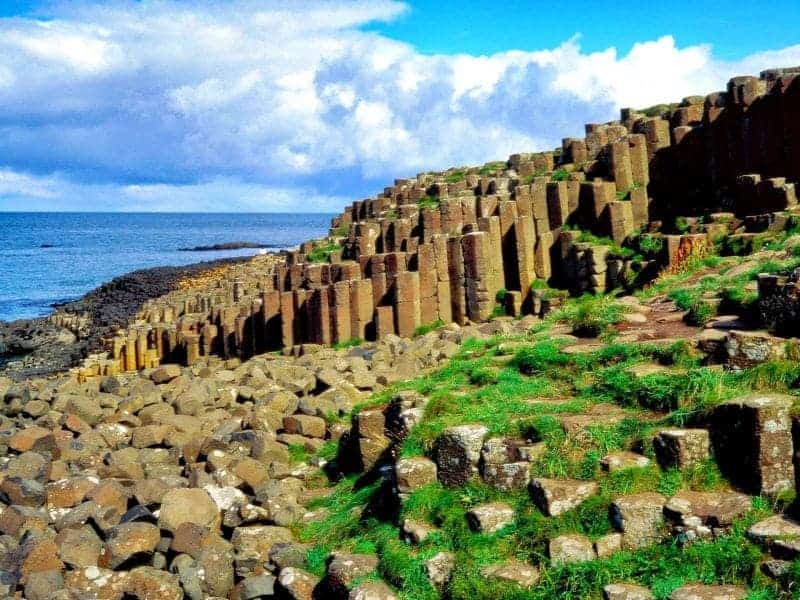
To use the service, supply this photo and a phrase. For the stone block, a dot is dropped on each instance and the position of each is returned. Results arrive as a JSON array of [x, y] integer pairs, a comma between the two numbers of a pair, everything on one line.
[[681, 448], [457, 452], [752, 442]]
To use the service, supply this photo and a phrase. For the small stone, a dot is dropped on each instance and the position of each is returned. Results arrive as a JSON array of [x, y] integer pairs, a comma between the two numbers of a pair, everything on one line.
[[414, 473], [626, 591], [556, 496], [297, 584], [608, 544], [128, 540], [165, 374], [458, 451], [416, 532], [305, 425], [489, 518], [639, 518], [372, 590], [572, 548], [344, 568], [681, 448], [255, 587], [188, 505], [439, 568], [512, 571], [623, 459], [697, 591]]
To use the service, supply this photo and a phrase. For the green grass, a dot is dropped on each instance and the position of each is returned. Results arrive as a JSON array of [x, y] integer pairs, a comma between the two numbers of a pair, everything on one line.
[[455, 176], [428, 202], [427, 328], [590, 315], [492, 167], [351, 343], [559, 175], [322, 253]]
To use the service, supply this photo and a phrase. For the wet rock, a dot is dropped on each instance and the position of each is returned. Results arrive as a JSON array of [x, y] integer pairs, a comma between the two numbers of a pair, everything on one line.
[[556, 496]]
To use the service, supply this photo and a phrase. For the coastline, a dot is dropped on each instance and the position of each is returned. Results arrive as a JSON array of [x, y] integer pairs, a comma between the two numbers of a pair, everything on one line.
[[47, 345]]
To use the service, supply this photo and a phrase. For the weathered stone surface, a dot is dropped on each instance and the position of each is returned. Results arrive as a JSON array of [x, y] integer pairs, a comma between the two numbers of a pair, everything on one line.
[[188, 506], [626, 591], [128, 540], [638, 517], [571, 548], [372, 590], [489, 518], [458, 452], [753, 442], [344, 568], [414, 473], [556, 496], [297, 584], [522, 574], [681, 448], [623, 459], [439, 568], [697, 591]]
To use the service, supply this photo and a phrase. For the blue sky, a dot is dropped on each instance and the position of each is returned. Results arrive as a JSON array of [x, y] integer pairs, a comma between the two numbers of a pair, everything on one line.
[[248, 105]]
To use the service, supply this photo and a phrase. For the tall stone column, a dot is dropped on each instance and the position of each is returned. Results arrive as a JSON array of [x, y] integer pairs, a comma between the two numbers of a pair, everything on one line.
[[476, 248], [361, 309], [407, 298], [341, 329]]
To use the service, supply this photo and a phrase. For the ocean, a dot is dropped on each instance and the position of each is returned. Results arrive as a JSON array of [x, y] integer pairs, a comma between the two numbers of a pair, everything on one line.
[[47, 258]]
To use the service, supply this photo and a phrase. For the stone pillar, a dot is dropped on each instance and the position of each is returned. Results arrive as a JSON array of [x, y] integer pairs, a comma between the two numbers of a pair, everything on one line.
[[640, 169], [319, 318], [426, 267], [238, 291], [640, 207], [542, 263], [407, 299], [491, 226], [620, 164], [287, 319], [476, 248], [525, 239], [384, 321], [455, 261], [620, 220], [130, 352], [340, 325], [191, 342], [361, 309], [557, 204], [752, 441]]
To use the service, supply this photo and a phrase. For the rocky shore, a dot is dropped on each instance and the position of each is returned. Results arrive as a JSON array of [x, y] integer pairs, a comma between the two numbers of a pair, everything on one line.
[[35, 347]]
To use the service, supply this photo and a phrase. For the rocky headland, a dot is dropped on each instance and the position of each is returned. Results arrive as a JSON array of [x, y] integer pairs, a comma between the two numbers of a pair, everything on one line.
[[570, 374]]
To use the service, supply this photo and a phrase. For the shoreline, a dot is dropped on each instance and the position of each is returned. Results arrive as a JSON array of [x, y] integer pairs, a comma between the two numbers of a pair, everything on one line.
[[43, 346]]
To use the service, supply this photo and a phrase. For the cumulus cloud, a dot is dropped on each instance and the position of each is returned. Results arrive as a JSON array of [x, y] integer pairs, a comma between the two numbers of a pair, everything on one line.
[[164, 104]]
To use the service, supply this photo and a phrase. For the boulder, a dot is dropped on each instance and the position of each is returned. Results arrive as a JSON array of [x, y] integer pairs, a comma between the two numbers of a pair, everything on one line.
[[571, 548], [458, 451], [372, 590], [489, 518], [638, 517], [681, 448], [698, 591], [513, 571], [414, 473], [556, 496], [297, 584], [626, 591], [188, 505], [439, 568]]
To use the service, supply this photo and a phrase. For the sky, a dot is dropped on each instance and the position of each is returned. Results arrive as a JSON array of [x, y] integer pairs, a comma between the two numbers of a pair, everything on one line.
[[301, 106]]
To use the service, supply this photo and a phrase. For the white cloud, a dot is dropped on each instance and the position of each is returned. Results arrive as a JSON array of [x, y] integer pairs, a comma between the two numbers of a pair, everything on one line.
[[293, 101]]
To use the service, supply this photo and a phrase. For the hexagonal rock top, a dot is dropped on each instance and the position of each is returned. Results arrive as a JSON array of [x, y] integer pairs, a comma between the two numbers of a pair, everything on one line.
[[626, 591], [556, 496], [697, 591], [778, 530], [714, 509]]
